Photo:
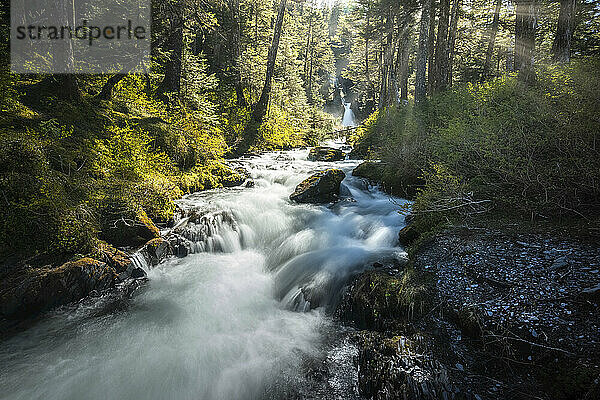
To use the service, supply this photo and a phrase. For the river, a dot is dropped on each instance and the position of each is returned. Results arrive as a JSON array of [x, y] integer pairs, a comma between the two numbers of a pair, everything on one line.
[[247, 316]]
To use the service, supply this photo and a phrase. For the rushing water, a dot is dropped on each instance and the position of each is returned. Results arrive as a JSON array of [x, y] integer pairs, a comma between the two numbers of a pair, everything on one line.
[[241, 318], [348, 120]]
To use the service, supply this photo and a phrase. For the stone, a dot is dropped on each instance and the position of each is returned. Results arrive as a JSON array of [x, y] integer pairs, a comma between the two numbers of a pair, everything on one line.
[[156, 250], [323, 153], [238, 176], [179, 245], [372, 171], [130, 231], [592, 293], [113, 257], [407, 235], [377, 301], [32, 291], [559, 263], [322, 187], [138, 273]]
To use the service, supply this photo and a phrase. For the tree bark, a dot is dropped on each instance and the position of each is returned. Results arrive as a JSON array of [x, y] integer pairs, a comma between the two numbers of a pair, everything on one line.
[[308, 59], [260, 109], [403, 58], [171, 82], [236, 34], [491, 41], [386, 97], [420, 79], [431, 47], [367, 33], [107, 90], [452, 39], [525, 30], [561, 47], [67, 84], [441, 48]]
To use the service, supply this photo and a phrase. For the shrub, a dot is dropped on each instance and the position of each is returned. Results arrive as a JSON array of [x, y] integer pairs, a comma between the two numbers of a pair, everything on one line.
[[530, 150]]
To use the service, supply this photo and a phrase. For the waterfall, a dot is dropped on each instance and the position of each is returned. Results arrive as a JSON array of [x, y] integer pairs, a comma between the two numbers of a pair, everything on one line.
[[349, 119]]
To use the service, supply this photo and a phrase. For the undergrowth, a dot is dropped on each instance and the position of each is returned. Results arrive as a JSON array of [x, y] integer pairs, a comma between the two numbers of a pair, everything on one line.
[[497, 146]]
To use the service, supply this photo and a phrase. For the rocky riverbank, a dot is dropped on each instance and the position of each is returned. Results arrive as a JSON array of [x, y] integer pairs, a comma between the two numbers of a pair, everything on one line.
[[128, 245], [481, 313]]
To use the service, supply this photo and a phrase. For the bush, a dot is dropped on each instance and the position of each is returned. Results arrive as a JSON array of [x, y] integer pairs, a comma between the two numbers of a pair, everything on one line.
[[530, 150]]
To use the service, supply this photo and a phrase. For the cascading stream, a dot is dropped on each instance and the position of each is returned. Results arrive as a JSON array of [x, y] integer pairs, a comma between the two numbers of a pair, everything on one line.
[[234, 320]]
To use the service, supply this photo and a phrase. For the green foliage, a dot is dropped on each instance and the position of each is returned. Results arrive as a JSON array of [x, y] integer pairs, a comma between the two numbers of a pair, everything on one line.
[[440, 200], [530, 150]]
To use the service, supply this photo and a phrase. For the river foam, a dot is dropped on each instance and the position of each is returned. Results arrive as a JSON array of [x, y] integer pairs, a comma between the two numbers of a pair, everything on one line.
[[234, 320]]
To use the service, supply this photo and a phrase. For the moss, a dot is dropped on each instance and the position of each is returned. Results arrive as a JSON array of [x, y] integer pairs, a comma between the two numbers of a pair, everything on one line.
[[322, 187], [378, 300], [321, 153], [126, 227], [111, 256]]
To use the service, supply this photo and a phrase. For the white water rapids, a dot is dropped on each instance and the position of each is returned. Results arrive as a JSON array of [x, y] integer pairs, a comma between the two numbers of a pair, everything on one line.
[[228, 324]]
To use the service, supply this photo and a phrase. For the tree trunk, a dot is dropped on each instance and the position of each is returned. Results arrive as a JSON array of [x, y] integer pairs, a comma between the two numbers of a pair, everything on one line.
[[308, 59], [441, 48], [386, 97], [171, 82], [67, 84], [310, 74], [525, 31], [260, 109], [420, 83], [256, 9], [403, 58], [236, 34], [107, 90], [491, 41], [431, 47], [367, 33], [452, 39], [561, 47]]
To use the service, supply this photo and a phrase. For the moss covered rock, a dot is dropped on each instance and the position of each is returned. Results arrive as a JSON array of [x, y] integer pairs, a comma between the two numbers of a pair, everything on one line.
[[322, 187], [129, 229], [377, 300], [408, 235], [238, 176], [156, 250], [27, 293], [322, 153], [112, 256], [373, 171]]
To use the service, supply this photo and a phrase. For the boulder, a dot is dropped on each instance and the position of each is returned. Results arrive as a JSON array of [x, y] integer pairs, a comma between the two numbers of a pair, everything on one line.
[[130, 231], [179, 244], [379, 301], [29, 292], [408, 235], [373, 171], [114, 257], [238, 176], [404, 367], [322, 153], [322, 187], [156, 250]]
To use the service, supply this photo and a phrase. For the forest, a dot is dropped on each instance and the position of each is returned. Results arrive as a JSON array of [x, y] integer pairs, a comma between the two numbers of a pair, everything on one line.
[[227, 77], [468, 115]]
